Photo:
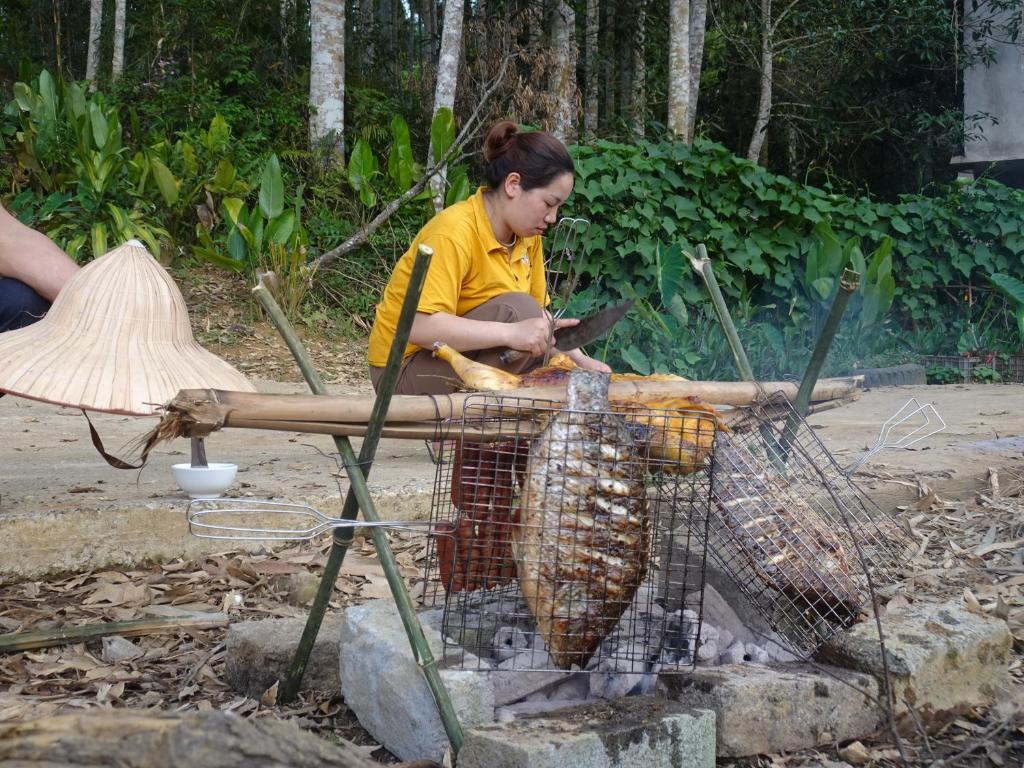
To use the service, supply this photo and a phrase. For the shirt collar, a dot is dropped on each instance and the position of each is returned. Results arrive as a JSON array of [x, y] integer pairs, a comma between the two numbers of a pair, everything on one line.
[[483, 226]]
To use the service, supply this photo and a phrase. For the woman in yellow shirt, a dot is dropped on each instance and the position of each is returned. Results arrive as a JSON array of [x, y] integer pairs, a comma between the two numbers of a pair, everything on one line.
[[485, 289]]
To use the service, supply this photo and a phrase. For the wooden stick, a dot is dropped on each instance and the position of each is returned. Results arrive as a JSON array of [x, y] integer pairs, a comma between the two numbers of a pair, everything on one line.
[[48, 638], [223, 407]]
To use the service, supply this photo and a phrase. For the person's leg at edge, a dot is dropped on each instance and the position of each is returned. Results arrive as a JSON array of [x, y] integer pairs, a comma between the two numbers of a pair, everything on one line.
[[19, 305]]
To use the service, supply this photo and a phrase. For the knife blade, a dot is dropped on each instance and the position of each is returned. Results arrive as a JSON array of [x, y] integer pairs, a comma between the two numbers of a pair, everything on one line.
[[584, 332], [590, 328]]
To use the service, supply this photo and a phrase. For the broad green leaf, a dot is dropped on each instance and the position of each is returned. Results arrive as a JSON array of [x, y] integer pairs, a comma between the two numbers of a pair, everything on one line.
[[636, 360], [224, 177], [219, 134], [272, 189], [99, 125], [165, 181], [237, 246], [442, 133], [231, 209], [1009, 286], [280, 229], [671, 263], [48, 96], [362, 167], [400, 160], [823, 287], [218, 259], [99, 239], [459, 185]]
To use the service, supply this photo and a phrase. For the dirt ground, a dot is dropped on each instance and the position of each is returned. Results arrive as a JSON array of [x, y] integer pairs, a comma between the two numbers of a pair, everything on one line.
[[81, 542]]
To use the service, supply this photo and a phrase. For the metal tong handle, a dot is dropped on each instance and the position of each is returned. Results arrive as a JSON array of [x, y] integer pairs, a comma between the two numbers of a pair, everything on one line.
[[931, 424], [210, 519], [562, 262]]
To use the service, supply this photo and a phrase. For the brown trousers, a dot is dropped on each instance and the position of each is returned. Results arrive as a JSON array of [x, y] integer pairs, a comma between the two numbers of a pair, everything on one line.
[[424, 374]]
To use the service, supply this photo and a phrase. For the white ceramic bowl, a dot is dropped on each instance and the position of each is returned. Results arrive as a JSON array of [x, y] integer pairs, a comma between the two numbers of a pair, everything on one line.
[[204, 482]]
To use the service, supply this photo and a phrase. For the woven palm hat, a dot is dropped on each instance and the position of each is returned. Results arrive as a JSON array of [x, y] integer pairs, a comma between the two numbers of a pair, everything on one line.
[[116, 339]]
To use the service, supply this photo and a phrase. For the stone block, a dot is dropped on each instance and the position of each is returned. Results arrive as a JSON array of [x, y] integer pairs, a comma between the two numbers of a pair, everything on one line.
[[939, 655], [763, 709], [258, 653], [638, 730], [384, 687]]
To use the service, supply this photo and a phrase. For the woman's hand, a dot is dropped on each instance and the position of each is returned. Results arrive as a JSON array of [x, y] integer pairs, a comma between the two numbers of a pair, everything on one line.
[[588, 363], [533, 336]]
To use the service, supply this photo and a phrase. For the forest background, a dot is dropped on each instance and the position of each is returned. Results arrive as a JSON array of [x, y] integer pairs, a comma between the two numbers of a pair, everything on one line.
[[790, 137]]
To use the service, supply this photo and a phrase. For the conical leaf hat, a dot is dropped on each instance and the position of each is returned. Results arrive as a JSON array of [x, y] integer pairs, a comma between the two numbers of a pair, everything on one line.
[[116, 339]]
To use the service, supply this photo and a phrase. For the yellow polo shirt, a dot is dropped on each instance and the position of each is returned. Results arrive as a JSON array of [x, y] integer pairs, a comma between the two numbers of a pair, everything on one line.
[[469, 267]]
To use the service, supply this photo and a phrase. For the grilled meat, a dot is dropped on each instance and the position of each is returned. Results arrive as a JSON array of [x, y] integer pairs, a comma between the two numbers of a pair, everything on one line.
[[581, 545], [782, 537]]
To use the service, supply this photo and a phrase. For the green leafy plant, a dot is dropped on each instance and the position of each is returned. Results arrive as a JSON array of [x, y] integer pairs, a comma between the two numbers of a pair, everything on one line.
[[252, 231], [89, 194], [1013, 289], [942, 374], [985, 374]]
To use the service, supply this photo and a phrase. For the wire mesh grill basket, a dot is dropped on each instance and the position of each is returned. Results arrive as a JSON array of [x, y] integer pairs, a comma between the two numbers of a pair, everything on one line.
[[799, 538], [576, 538]]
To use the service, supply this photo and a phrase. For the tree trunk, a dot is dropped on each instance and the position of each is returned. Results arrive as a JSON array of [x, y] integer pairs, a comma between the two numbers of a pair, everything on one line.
[[327, 75], [287, 10], [447, 79], [638, 118], [563, 73], [92, 59], [679, 68], [764, 102], [607, 58], [117, 60], [591, 36], [367, 31], [215, 739], [698, 23]]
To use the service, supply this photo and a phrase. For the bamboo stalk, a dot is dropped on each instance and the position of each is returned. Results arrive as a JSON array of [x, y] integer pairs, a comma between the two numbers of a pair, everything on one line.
[[702, 265], [49, 638], [224, 408]]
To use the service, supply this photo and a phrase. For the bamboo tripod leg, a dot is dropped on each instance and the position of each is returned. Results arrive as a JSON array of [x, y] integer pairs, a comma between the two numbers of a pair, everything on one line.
[[358, 497]]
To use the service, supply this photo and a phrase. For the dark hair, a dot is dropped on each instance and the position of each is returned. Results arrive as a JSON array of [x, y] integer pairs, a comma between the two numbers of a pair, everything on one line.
[[537, 156]]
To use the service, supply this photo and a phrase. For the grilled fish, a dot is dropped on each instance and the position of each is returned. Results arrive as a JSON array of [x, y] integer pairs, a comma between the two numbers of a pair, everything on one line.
[[583, 534], [783, 538]]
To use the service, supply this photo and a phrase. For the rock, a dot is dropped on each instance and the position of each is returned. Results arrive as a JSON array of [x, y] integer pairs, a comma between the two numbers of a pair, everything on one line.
[[734, 654], [639, 731], [777, 707], [515, 685], [258, 654], [509, 641], [756, 654], [575, 687], [939, 656], [855, 753], [707, 652], [117, 649], [385, 688]]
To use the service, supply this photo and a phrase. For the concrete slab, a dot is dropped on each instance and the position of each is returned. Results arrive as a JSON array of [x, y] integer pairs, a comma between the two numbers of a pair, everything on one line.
[[939, 656], [62, 508], [639, 730], [764, 709]]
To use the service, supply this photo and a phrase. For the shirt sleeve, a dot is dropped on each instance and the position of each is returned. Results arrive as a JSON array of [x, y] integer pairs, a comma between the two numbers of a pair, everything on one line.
[[448, 270]]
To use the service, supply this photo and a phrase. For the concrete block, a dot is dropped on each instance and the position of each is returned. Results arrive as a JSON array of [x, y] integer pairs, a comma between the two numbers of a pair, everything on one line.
[[939, 656], [386, 690], [639, 730], [258, 653], [764, 709]]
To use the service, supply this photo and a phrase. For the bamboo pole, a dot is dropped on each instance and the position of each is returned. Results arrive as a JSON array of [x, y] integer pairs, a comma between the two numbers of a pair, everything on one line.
[[48, 638], [358, 498], [224, 408], [702, 265]]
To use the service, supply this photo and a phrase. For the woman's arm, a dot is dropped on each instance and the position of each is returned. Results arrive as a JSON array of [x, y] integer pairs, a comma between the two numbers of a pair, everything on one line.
[[465, 334], [32, 258]]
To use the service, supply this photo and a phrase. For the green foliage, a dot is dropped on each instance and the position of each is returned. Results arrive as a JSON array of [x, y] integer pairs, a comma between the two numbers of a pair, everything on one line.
[[769, 238], [251, 232], [985, 374], [83, 191], [942, 374], [1013, 289]]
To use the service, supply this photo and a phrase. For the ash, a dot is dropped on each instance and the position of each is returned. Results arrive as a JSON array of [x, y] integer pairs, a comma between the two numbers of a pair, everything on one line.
[[492, 631]]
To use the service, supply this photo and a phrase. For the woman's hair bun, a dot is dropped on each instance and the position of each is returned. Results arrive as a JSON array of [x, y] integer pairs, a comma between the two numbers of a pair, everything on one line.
[[498, 140]]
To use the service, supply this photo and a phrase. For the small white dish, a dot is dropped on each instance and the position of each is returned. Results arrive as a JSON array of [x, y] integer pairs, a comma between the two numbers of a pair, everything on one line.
[[204, 482]]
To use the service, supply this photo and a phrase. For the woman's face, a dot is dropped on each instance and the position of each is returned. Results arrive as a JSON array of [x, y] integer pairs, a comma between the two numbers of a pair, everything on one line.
[[532, 211]]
